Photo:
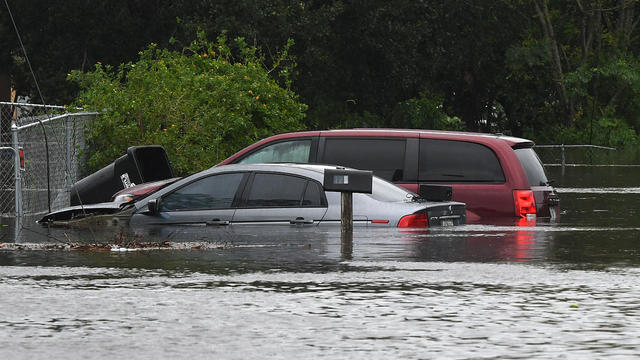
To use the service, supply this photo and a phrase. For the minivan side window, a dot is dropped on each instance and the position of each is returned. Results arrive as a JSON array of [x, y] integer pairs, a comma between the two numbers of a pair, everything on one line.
[[296, 151], [211, 192], [279, 190], [385, 157], [451, 161]]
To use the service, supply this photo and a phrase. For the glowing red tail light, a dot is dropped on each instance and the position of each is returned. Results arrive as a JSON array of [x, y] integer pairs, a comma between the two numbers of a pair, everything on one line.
[[414, 221], [524, 202], [21, 156]]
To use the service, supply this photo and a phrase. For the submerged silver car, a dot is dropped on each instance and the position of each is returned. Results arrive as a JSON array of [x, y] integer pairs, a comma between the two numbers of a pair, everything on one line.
[[287, 194], [276, 194]]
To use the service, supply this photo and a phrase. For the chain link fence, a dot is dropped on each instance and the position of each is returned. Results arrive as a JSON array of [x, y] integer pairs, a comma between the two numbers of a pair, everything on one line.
[[588, 155], [40, 149]]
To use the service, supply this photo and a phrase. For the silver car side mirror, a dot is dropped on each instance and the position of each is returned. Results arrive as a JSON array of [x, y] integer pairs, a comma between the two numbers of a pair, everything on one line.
[[154, 206]]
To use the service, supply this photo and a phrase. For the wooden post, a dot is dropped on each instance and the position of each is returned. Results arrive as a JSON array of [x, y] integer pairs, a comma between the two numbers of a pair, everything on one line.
[[347, 181], [346, 219], [346, 223]]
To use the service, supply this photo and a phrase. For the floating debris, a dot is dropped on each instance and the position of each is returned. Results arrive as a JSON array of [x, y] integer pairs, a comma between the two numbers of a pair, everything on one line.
[[82, 247], [138, 246]]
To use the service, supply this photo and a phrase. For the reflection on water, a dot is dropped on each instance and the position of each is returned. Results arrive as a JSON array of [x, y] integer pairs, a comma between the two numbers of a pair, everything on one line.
[[503, 290]]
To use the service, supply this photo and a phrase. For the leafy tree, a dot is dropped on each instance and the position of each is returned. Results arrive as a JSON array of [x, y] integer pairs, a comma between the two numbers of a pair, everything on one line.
[[542, 69], [201, 103], [425, 112], [584, 53]]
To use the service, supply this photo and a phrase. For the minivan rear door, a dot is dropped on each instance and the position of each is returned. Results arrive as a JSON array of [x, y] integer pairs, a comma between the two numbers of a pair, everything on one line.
[[474, 172]]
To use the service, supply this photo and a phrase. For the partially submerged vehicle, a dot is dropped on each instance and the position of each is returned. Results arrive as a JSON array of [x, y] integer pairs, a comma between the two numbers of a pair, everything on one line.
[[499, 178], [268, 194], [496, 176]]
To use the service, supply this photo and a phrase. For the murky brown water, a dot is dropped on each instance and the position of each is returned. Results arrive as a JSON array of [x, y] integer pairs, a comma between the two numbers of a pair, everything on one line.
[[567, 289]]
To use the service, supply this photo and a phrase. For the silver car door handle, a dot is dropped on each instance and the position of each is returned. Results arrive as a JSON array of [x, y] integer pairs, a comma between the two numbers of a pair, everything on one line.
[[217, 222], [300, 220]]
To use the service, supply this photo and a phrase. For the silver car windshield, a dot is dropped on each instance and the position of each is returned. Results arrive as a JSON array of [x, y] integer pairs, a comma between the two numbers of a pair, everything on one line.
[[388, 192]]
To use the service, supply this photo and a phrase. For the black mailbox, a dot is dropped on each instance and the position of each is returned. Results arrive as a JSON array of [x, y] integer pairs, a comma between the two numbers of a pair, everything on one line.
[[436, 192], [348, 180]]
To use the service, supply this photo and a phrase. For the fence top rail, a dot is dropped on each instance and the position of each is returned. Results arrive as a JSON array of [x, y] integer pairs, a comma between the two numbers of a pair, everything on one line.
[[576, 146], [21, 127], [32, 105]]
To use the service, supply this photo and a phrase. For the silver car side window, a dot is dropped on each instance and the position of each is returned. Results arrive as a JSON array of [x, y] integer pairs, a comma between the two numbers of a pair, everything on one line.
[[276, 190], [212, 192], [312, 194]]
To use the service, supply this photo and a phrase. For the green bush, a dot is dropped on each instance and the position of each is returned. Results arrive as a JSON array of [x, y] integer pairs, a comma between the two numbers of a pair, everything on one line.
[[202, 103], [425, 112]]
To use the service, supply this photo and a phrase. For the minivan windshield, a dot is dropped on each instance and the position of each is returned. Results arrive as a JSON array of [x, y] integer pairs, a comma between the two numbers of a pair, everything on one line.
[[532, 167]]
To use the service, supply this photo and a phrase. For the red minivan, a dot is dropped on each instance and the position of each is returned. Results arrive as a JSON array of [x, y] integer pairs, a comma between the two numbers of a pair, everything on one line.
[[498, 177]]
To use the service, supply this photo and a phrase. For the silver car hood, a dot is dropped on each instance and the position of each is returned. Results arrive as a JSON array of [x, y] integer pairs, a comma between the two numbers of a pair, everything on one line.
[[81, 211]]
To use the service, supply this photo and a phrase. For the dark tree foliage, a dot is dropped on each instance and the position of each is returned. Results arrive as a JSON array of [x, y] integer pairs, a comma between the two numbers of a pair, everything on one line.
[[362, 57], [60, 36], [555, 71]]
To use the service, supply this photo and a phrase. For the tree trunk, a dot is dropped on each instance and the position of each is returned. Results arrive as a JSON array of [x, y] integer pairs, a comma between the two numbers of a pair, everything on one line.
[[627, 22], [542, 11], [5, 111]]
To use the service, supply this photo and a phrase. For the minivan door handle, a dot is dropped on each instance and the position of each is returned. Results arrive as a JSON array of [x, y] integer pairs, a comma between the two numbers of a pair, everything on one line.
[[217, 222], [301, 221]]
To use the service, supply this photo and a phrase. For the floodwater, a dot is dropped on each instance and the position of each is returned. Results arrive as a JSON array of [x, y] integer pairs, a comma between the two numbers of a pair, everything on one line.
[[568, 289]]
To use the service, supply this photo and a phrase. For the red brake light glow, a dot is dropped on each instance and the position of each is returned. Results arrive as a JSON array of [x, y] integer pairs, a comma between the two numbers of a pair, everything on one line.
[[524, 202], [414, 221], [379, 221]]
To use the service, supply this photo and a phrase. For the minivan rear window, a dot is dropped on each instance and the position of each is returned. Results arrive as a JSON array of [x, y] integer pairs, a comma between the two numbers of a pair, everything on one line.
[[532, 166], [385, 157], [451, 161]]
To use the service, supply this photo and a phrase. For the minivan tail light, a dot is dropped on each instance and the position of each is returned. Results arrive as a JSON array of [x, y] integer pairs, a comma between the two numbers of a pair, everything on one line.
[[525, 203], [414, 221]]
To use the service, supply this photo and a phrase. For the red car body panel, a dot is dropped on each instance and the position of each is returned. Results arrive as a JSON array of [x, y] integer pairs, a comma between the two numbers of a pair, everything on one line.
[[143, 189]]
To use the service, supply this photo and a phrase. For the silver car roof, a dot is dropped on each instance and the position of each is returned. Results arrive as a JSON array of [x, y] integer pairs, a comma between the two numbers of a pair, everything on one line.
[[309, 170]]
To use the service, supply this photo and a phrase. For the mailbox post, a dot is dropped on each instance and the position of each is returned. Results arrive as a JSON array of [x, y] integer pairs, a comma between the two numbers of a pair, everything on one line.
[[347, 182]]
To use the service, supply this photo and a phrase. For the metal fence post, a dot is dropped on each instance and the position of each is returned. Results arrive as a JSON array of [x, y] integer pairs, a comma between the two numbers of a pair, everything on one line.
[[68, 121], [16, 170]]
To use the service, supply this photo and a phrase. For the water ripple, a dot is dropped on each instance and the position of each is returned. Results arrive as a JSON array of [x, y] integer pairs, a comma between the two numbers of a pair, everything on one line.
[[368, 310], [600, 190]]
